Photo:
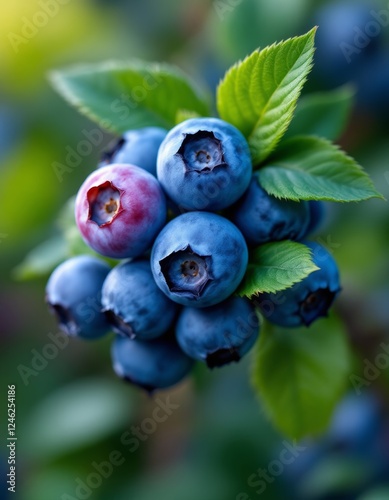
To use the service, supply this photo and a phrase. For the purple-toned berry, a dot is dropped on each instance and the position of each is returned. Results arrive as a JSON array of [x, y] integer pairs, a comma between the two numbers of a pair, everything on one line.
[[119, 211]]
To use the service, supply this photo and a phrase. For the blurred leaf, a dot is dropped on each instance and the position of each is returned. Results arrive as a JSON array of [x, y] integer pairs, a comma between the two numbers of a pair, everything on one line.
[[275, 267], [379, 493], [45, 257], [300, 374], [272, 19], [28, 190], [335, 475], [324, 114], [42, 259], [48, 483], [259, 95], [66, 218], [184, 114], [67, 223], [311, 168], [128, 95], [191, 481], [31, 45], [75, 243], [80, 414]]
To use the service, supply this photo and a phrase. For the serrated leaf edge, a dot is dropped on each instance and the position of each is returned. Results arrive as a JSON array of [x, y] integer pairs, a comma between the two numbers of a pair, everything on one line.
[[308, 269], [349, 158]]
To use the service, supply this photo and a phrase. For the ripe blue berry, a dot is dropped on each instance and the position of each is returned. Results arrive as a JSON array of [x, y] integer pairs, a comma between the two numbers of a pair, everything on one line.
[[199, 259], [350, 31], [317, 214], [219, 334], [204, 164], [355, 423], [119, 210], [133, 304], [372, 84], [263, 218], [152, 364], [73, 293], [308, 300], [137, 147]]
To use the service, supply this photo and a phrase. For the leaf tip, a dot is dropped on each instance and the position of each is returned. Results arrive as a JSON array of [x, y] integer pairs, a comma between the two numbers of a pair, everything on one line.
[[53, 76]]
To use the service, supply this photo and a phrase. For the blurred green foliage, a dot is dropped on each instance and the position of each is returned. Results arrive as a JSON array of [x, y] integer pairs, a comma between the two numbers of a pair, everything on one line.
[[73, 411]]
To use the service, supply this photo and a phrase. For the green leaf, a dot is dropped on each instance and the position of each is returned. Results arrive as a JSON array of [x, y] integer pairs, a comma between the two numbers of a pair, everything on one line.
[[275, 267], [66, 219], [67, 224], [259, 94], [172, 483], [324, 114], [378, 493], [127, 95], [84, 412], [336, 474], [42, 259], [311, 168], [184, 114], [300, 374]]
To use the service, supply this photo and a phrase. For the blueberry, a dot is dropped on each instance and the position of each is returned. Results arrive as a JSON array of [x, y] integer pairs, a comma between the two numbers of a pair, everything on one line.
[[308, 300], [219, 334], [204, 164], [119, 210], [199, 259], [73, 293], [152, 364], [137, 147], [133, 304], [350, 31], [316, 216], [355, 423], [263, 218], [372, 84], [355, 438]]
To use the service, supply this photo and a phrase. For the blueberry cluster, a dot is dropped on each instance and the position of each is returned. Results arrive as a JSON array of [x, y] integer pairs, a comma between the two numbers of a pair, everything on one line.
[[172, 299]]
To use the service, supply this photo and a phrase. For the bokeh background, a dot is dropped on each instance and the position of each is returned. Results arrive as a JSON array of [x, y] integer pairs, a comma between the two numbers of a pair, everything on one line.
[[72, 412]]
